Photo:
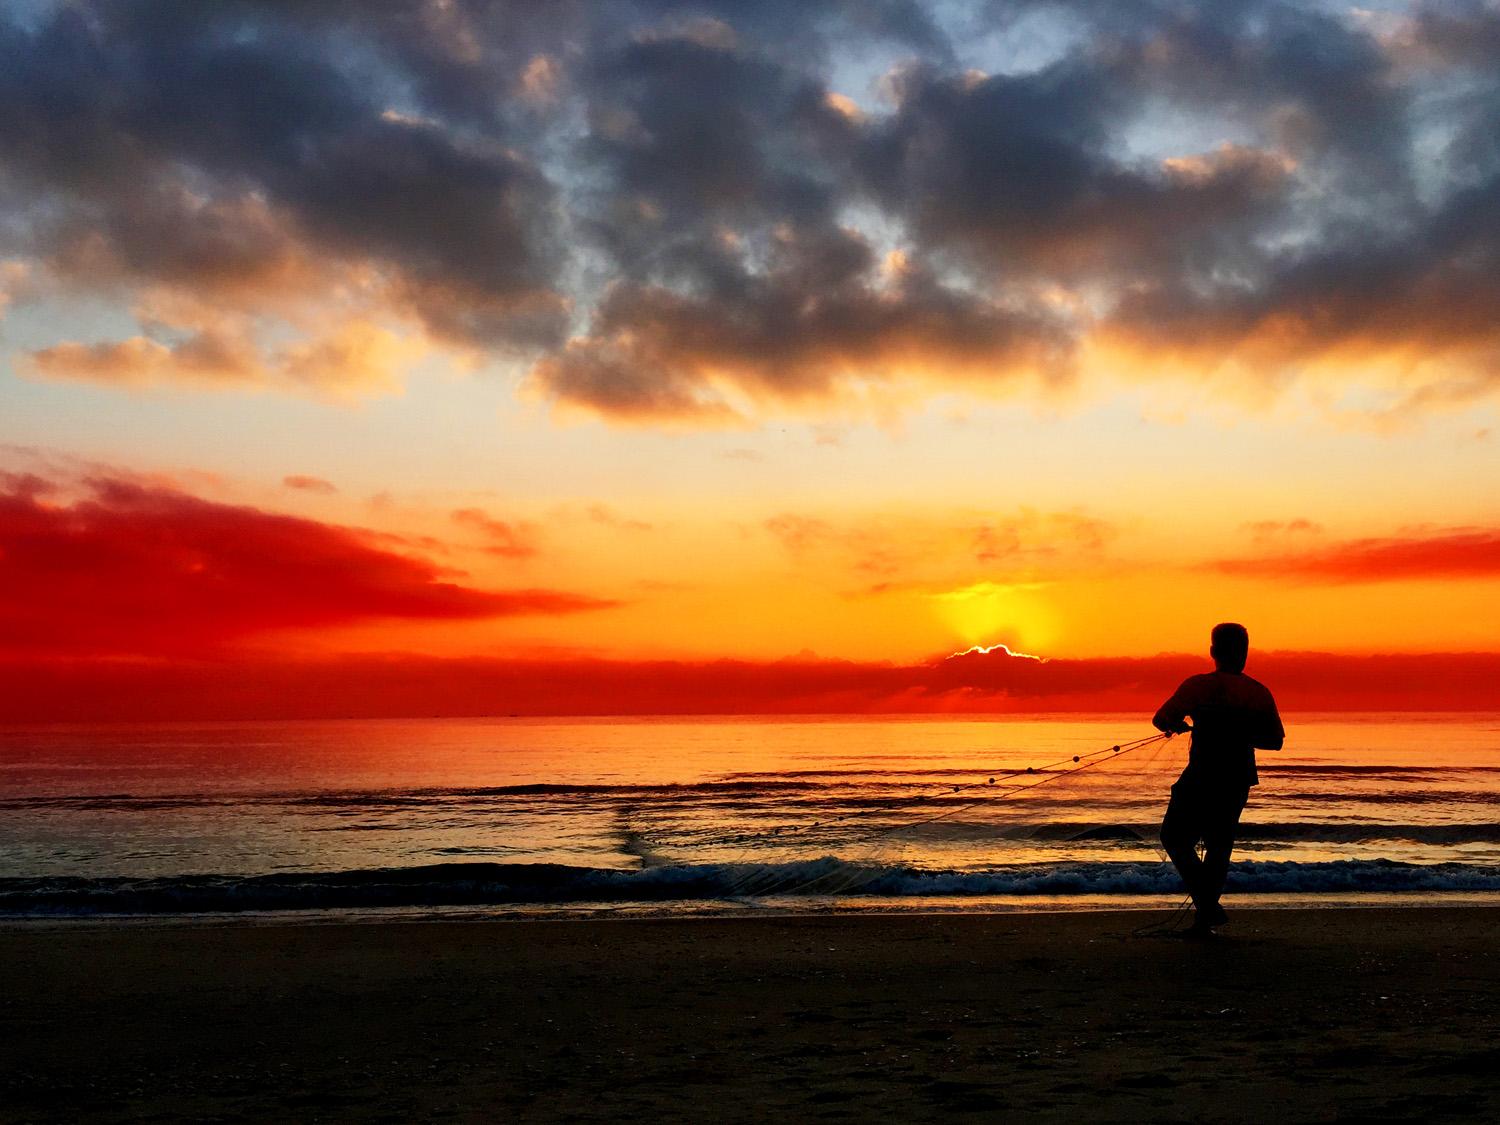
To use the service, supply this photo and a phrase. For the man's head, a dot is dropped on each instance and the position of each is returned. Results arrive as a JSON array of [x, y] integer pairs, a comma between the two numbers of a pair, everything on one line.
[[1229, 646]]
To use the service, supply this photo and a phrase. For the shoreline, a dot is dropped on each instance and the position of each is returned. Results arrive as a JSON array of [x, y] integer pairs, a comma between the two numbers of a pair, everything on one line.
[[768, 909], [1295, 1014]]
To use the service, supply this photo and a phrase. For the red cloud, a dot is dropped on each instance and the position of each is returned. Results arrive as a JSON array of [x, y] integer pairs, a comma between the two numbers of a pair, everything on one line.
[[140, 570], [1459, 553]]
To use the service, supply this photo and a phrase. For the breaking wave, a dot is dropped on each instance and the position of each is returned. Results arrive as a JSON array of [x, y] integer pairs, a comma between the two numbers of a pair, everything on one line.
[[501, 884]]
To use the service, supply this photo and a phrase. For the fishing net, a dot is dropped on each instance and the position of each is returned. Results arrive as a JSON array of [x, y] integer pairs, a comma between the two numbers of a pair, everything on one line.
[[915, 828]]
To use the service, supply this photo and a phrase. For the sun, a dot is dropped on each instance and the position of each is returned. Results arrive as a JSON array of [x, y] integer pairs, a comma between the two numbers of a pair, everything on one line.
[[989, 613]]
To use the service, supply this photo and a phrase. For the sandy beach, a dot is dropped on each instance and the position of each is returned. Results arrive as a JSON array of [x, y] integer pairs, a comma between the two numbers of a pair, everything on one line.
[[1294, 1015]]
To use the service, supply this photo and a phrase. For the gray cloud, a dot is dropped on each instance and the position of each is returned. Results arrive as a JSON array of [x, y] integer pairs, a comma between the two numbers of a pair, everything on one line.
[[195, 146], [1015, 175], [673, 210]]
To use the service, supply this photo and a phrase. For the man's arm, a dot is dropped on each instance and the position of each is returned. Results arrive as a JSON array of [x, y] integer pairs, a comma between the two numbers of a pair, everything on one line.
[[1170, 715], [1271, 734]]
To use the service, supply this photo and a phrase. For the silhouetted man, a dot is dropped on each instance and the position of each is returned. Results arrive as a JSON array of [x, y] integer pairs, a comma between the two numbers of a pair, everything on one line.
[[1232, 715]]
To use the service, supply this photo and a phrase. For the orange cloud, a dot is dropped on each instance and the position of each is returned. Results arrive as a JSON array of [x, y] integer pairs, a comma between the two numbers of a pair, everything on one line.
[[353, 359], [510, 541], [309, 484], [919, 549], [206, 357], [605, 516], [1267, 530]]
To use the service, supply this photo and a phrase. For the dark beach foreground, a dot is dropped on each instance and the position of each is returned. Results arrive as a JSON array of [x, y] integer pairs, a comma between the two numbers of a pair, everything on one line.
[[1293, 1015]]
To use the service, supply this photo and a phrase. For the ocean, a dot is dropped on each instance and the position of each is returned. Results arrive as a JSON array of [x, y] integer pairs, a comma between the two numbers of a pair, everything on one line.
[[521, 816]]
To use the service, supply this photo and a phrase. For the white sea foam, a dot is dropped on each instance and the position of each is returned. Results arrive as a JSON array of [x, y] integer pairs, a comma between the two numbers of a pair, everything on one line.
[[492, 884]]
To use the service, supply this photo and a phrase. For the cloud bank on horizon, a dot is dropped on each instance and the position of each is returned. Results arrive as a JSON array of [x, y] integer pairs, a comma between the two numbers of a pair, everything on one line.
[[697, 213], [408, 685]]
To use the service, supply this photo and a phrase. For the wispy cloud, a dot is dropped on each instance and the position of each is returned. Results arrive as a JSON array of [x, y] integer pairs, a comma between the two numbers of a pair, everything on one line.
[[302, 483], [502, 537]]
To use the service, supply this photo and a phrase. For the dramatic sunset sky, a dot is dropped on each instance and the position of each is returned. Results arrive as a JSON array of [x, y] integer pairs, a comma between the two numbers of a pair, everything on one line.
[[525, 357]]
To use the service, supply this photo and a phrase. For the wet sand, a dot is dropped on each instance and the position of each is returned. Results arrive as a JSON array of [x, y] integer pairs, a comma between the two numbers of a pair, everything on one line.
[[1299, 1015]]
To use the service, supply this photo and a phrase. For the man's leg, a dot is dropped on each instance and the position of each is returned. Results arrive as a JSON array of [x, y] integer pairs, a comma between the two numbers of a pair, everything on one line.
[[1218, 845], [1181, 829]]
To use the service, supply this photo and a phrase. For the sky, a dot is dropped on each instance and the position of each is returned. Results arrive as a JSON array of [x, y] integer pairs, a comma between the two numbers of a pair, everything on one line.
[[746, 355]]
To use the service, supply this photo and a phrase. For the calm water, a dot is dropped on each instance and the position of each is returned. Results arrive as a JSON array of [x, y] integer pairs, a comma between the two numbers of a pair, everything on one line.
[[479, 813]]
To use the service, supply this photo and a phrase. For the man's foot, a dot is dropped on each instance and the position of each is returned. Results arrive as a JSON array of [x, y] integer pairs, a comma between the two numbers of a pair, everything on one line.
[[1204, 921], [1196, 932]]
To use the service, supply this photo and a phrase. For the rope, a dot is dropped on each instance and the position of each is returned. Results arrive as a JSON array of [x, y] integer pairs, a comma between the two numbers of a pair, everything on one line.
[[1097, 755], [991, 778], [1166, 927], [854, 875]]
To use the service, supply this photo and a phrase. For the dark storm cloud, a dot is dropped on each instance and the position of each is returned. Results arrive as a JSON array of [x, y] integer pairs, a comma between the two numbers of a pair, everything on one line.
[[1430, 295], [194, 145], [1017, 172], [703, 209], [733, 272], [1361, 265], [1308, 70], [775, 335], [1464, 32]]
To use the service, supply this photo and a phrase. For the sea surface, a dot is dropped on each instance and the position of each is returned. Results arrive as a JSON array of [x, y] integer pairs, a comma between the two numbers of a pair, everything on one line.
[[506, 816]]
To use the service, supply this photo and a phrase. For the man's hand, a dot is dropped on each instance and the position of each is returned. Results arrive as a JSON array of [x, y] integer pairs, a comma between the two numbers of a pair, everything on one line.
[[1171, 716]]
